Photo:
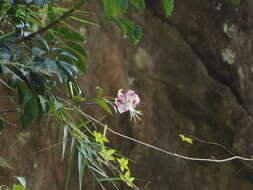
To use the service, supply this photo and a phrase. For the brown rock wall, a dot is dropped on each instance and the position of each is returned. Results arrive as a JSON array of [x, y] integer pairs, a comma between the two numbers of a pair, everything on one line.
[[193, 73]]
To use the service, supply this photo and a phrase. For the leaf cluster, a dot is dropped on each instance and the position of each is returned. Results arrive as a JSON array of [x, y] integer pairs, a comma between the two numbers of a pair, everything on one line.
[[35, 67], [115, 10]]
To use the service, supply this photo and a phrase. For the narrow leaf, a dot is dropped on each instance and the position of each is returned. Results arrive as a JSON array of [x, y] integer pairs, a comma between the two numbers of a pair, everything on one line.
[[77, 47], [22, 181], [82, 20], [168, 6], [139, 4], [17, 187], [103, 105], [236, 2], [70, 162], [1, 124], [81, 169], [65, 140]]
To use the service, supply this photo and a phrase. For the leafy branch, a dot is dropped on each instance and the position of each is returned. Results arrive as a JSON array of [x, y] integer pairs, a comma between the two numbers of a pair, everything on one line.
[[55, 22]]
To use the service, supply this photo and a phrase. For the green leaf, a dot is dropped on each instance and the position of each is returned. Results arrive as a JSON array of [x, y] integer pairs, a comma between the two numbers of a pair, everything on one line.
[[26, 114], [17, 187], [80, 63], [63, 76], [129, 29], [1, 124], [64, 140], [186, 139], [70, 163], [168, 6], [57, 9], [136, 34], [126, 178], [37, 51], [108, 154], [8, 37], [82, 20], [60, 68], [43, 102], [79, 98], [32, 18], [51, 14], [123, 162], [122, 5], [16, 50], [100, 91], [28, 1], [139, 4], [57, 105], [43, 43], [107, 8], [66, 59], [236, 2], [69, 34], [21, 180], [103, 105], [40, 2], [45, 66], [110, 179], [30, 107], [5, 54], [81, 169], [34, 105], [50, 37], [100, 138], [68, 68], [77, 47], [70, 55], [113, 8]]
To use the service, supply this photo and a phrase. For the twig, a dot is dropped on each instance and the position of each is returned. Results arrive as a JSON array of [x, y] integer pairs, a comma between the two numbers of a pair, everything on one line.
[[213, 143], [51, 146], [7, 122], [178, 155], [9, 111], [167, 152], [47, 27], [6, 96], [164, 151]]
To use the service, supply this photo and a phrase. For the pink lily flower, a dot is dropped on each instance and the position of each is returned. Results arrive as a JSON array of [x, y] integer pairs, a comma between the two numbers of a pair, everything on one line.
[[128, 102]]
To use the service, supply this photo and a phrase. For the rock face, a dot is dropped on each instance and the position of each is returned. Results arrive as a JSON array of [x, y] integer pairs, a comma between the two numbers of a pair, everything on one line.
[[193, 72]]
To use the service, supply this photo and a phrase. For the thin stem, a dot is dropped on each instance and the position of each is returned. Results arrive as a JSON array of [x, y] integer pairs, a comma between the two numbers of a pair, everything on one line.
[[7, 122], [178, 155], [7, 96], [9, 111], [161, 150], [213, 143], [167, 152], [52, 145]]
